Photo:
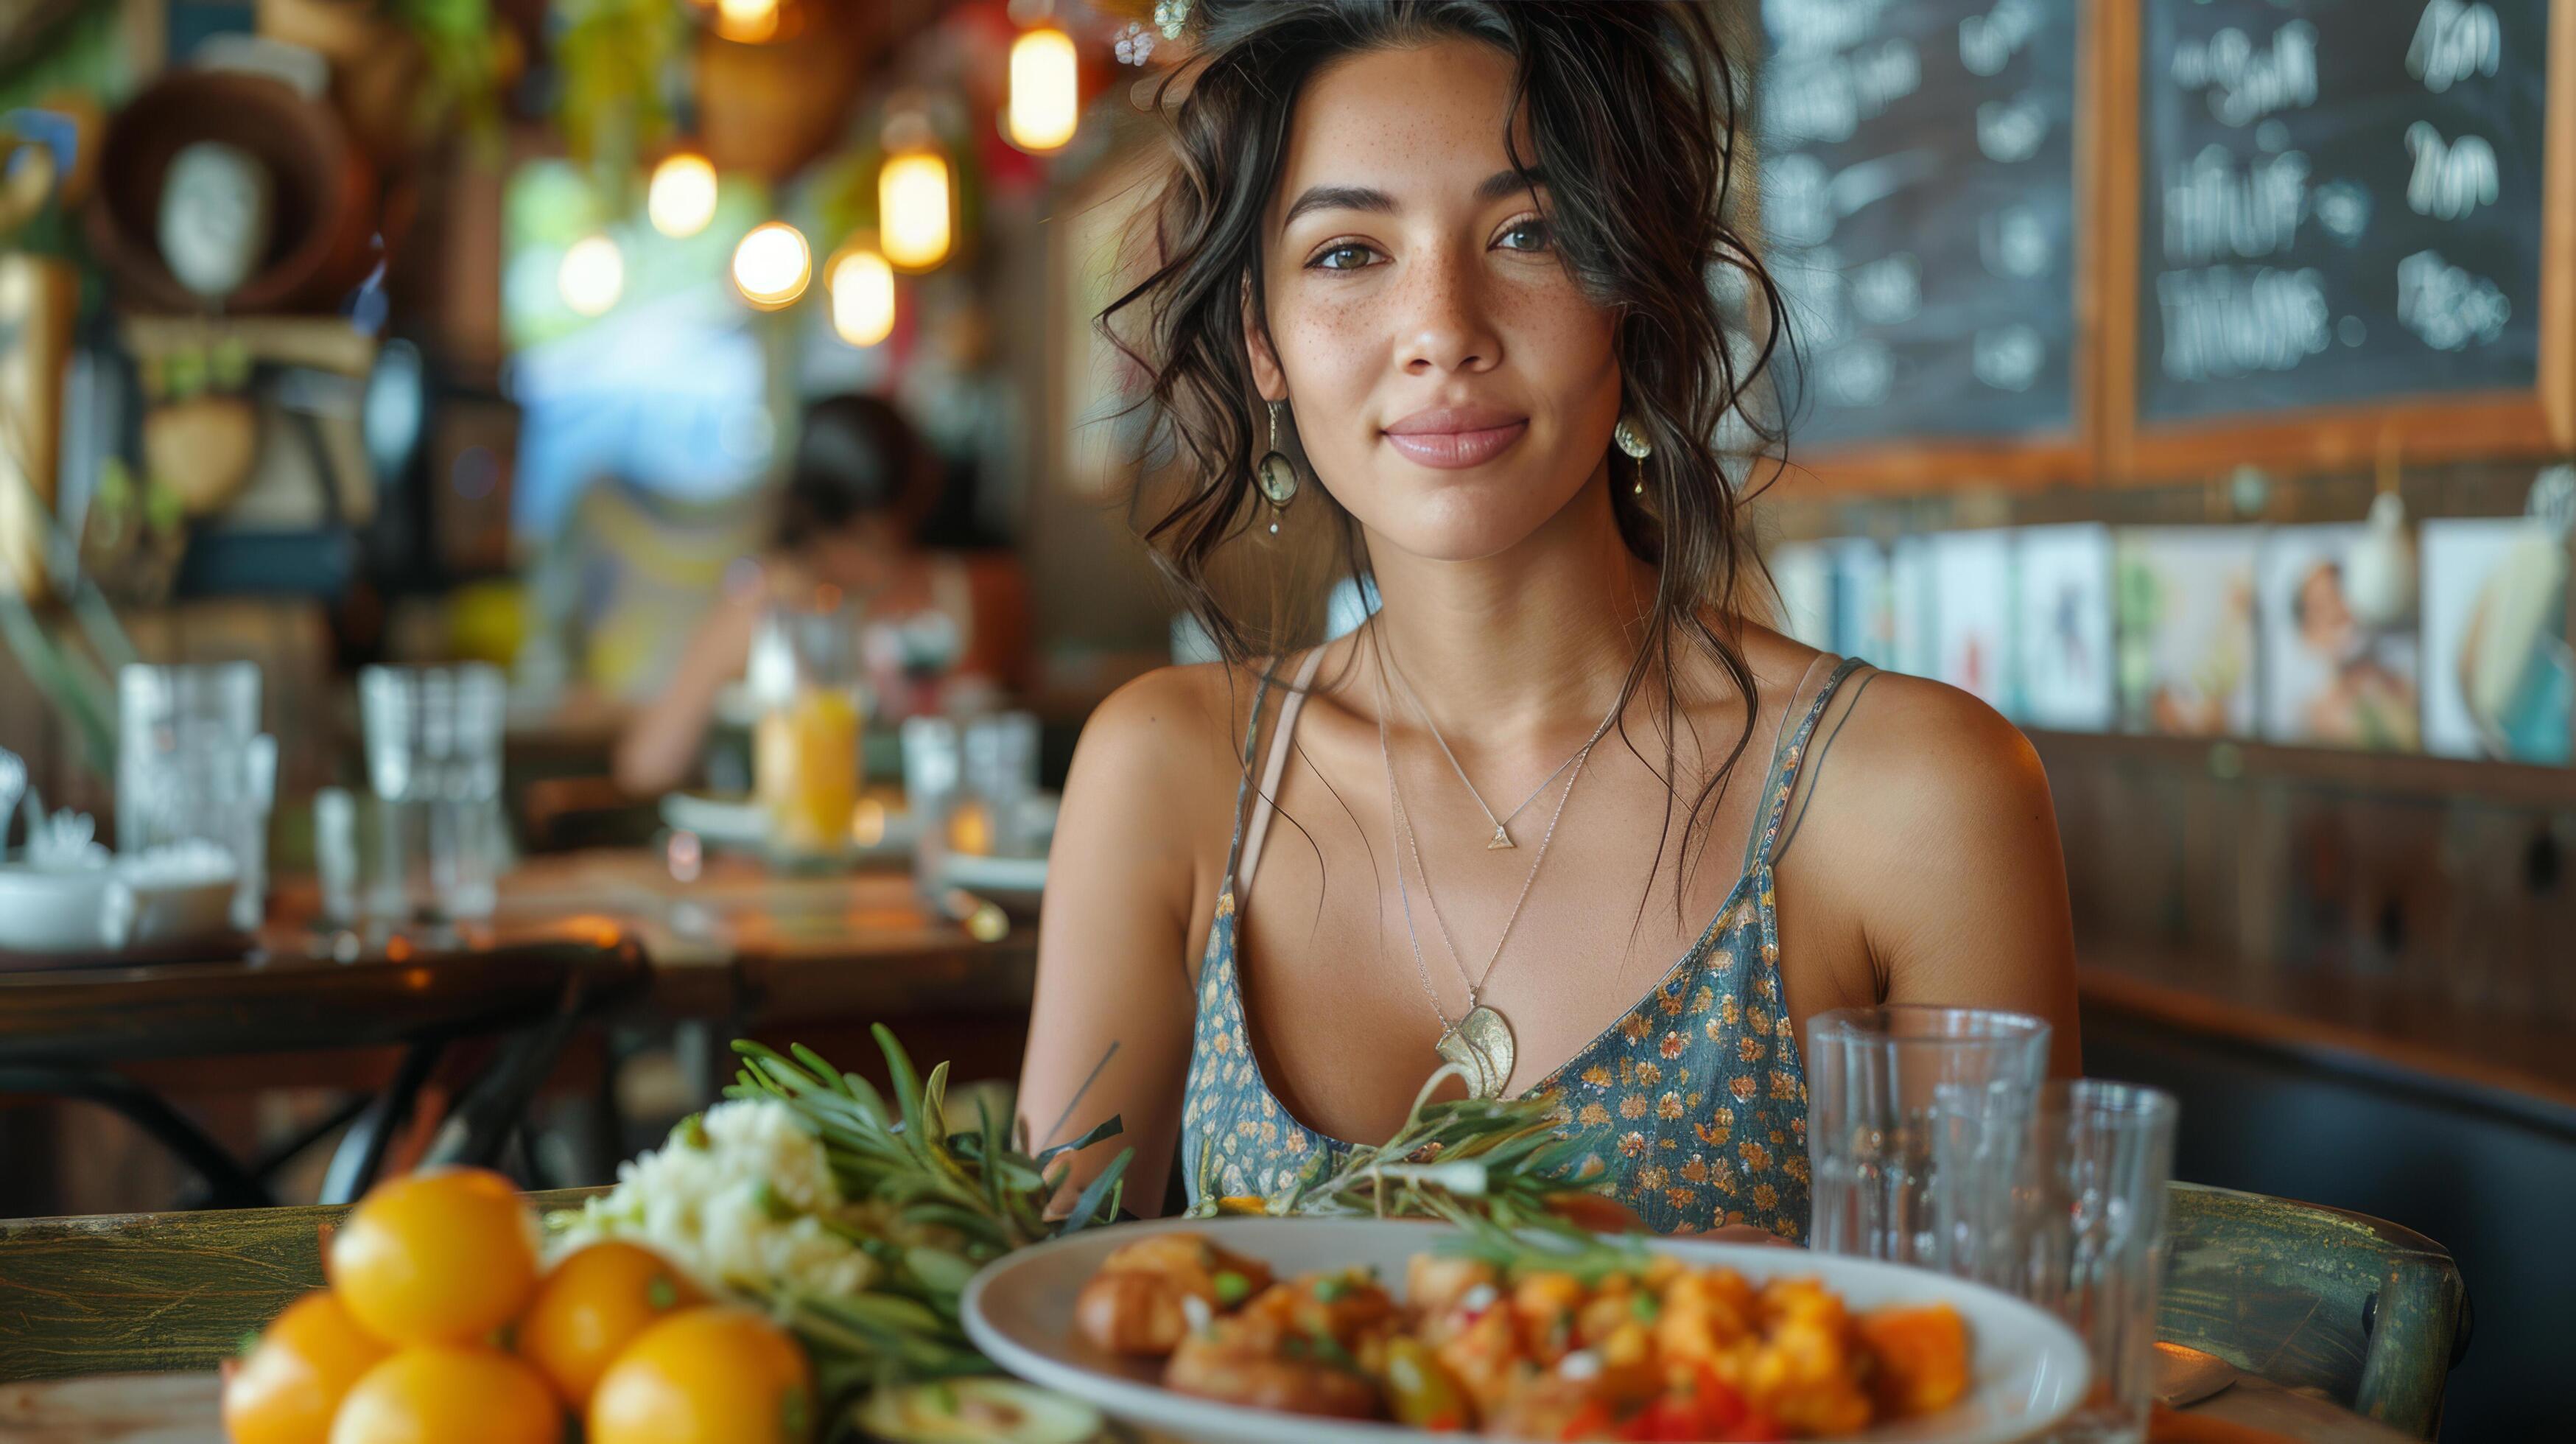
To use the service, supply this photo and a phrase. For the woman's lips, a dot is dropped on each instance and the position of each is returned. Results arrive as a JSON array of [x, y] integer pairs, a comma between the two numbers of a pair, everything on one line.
[[1449, 450]]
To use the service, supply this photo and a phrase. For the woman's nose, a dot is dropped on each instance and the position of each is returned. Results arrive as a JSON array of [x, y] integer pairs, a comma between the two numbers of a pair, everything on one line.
[[1442, 324]]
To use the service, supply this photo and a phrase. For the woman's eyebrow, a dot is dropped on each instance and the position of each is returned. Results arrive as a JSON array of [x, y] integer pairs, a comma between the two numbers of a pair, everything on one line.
[[1494, 187], [1339, 198], [1510, 183]]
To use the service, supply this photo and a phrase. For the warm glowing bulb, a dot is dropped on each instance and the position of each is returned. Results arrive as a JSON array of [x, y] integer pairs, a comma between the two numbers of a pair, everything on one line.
[[750, 20], [771, 265], [862, 297], [682, 196], [1044, 89], [912, 209], [592, 276]]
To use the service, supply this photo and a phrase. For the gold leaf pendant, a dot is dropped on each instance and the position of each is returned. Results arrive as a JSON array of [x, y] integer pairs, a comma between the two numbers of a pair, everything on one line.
[[1481, 1045]]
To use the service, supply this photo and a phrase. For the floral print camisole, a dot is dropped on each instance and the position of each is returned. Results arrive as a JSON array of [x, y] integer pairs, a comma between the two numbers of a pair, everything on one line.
[[1694, 1102]]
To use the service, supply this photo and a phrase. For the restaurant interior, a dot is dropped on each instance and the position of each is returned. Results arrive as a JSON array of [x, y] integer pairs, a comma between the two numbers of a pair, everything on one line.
[[413, 413]]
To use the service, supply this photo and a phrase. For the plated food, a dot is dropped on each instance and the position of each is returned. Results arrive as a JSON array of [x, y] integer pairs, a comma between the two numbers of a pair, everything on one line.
[[1606, 1344], [1296, 1330]]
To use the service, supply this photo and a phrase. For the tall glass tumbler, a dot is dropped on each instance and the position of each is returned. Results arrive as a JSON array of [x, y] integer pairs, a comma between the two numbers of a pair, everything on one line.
[[1000, 755], [1918, 1128], [2097, 1240], [805, 748], [192, 765], [433, 742]]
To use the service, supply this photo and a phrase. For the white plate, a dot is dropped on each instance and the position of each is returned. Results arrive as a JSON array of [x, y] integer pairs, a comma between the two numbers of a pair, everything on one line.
[[741, 824], [2029, 1369]]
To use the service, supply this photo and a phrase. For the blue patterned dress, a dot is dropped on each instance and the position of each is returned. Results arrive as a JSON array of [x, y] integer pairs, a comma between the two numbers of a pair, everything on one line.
[[1696, 1100]]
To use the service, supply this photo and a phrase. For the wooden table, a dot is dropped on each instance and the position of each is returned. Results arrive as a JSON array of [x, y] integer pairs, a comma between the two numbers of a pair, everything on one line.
[[75, 1032], [2340, 1024], [180, 1409], [725, 937]]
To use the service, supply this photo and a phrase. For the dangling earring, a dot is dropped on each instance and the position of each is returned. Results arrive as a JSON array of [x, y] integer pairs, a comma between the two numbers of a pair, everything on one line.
[[1276, 475], [1631, 438]]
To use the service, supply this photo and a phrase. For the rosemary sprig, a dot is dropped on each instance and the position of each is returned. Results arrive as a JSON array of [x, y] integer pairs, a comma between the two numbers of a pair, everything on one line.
[[1502, 1159], [960, 1198]]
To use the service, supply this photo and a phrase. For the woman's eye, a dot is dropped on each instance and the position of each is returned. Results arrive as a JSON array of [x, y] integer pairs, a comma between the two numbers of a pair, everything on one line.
[[1349, 256], [1529, 235]]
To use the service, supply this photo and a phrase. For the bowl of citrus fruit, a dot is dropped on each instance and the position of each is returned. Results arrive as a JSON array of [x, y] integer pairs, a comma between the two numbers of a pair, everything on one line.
[[443, 1322]]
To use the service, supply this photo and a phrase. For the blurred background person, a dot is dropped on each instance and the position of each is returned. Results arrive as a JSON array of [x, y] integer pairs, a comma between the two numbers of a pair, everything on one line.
[[847, 516]]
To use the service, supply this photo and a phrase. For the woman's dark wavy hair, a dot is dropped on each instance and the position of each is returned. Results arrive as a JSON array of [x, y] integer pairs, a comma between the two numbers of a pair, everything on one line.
[[1632, 112]]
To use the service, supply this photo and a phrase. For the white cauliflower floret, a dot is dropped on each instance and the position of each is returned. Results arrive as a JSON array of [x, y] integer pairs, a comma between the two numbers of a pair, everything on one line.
[[738, 1197]]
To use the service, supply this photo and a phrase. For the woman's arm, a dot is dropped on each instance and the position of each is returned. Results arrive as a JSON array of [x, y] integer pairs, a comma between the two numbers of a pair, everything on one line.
[[1109, 1032], [1933, 823], [660, 745]]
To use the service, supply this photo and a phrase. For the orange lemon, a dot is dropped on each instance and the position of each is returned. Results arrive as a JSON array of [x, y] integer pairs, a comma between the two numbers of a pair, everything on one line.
[[441, 1257], [590, 1306], [716, 1375], [446, 1394], [286, 1391]]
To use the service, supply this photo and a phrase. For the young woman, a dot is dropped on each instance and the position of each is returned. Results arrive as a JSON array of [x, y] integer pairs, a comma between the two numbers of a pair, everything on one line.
[[1564, 811]]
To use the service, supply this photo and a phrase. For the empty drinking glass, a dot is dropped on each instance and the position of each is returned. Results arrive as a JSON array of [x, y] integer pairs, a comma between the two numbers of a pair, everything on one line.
[[192, 765], [1000, 755], [934, 769], [1918, 1124], [433, 742], [2102, 1155]]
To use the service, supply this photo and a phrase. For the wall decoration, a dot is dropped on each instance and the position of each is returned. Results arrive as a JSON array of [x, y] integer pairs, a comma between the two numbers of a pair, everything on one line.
[[2064, 670], [1972, 620], [2186, 645], [2498, 674], [2328, 677]]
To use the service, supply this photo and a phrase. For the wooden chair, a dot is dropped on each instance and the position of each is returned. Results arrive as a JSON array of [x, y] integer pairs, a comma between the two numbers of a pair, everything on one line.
[[2371, 1315], [157, 1292]]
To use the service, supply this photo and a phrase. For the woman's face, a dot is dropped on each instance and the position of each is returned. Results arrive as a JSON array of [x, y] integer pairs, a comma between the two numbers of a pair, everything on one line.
[[1450, 383]]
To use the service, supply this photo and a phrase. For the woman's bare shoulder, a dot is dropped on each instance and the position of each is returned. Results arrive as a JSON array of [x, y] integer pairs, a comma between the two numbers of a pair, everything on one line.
[[1160, 757], [1916, 779], [1929, 746]]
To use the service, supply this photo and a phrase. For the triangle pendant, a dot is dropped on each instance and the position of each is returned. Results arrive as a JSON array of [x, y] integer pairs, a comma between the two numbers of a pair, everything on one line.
[[1501, 840]]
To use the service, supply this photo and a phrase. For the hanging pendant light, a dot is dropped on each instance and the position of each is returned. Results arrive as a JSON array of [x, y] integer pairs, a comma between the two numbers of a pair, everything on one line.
[[681, 198], [915, 197], [592, 276], [772, 265], [1045, 89], [749, 21], [862, 287]]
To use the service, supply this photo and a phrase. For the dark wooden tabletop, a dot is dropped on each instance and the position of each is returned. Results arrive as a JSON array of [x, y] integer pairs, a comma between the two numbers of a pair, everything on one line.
[[726, 936], [284, 996], [2509, 1063]]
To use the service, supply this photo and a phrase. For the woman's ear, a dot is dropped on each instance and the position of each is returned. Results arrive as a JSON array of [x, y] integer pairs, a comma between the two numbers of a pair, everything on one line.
[[1267, 378]]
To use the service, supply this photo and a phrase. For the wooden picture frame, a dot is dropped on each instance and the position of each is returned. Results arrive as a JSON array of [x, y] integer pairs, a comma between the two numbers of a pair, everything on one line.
[[1922, 466], [2530, 423]]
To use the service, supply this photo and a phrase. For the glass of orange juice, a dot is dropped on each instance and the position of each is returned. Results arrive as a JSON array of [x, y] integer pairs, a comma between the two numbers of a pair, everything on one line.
[[805, 748]]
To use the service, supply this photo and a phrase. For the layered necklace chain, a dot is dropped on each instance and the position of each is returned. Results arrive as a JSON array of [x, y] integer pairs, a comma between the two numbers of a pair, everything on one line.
[[1502, 837], [1480, 1043]]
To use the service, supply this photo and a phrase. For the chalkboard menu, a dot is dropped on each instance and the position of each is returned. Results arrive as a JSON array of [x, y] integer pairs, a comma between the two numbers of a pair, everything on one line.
[[2340, 201], [1918, 195]]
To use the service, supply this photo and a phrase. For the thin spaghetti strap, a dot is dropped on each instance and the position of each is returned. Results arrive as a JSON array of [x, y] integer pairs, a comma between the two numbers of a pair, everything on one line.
[[1771, 765], [1784, 783], [1266, 801], [1243, 789]]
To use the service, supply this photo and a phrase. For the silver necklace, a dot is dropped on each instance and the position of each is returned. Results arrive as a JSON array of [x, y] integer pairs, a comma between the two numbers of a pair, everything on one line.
[[1480, 1042], [1502, 837]]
